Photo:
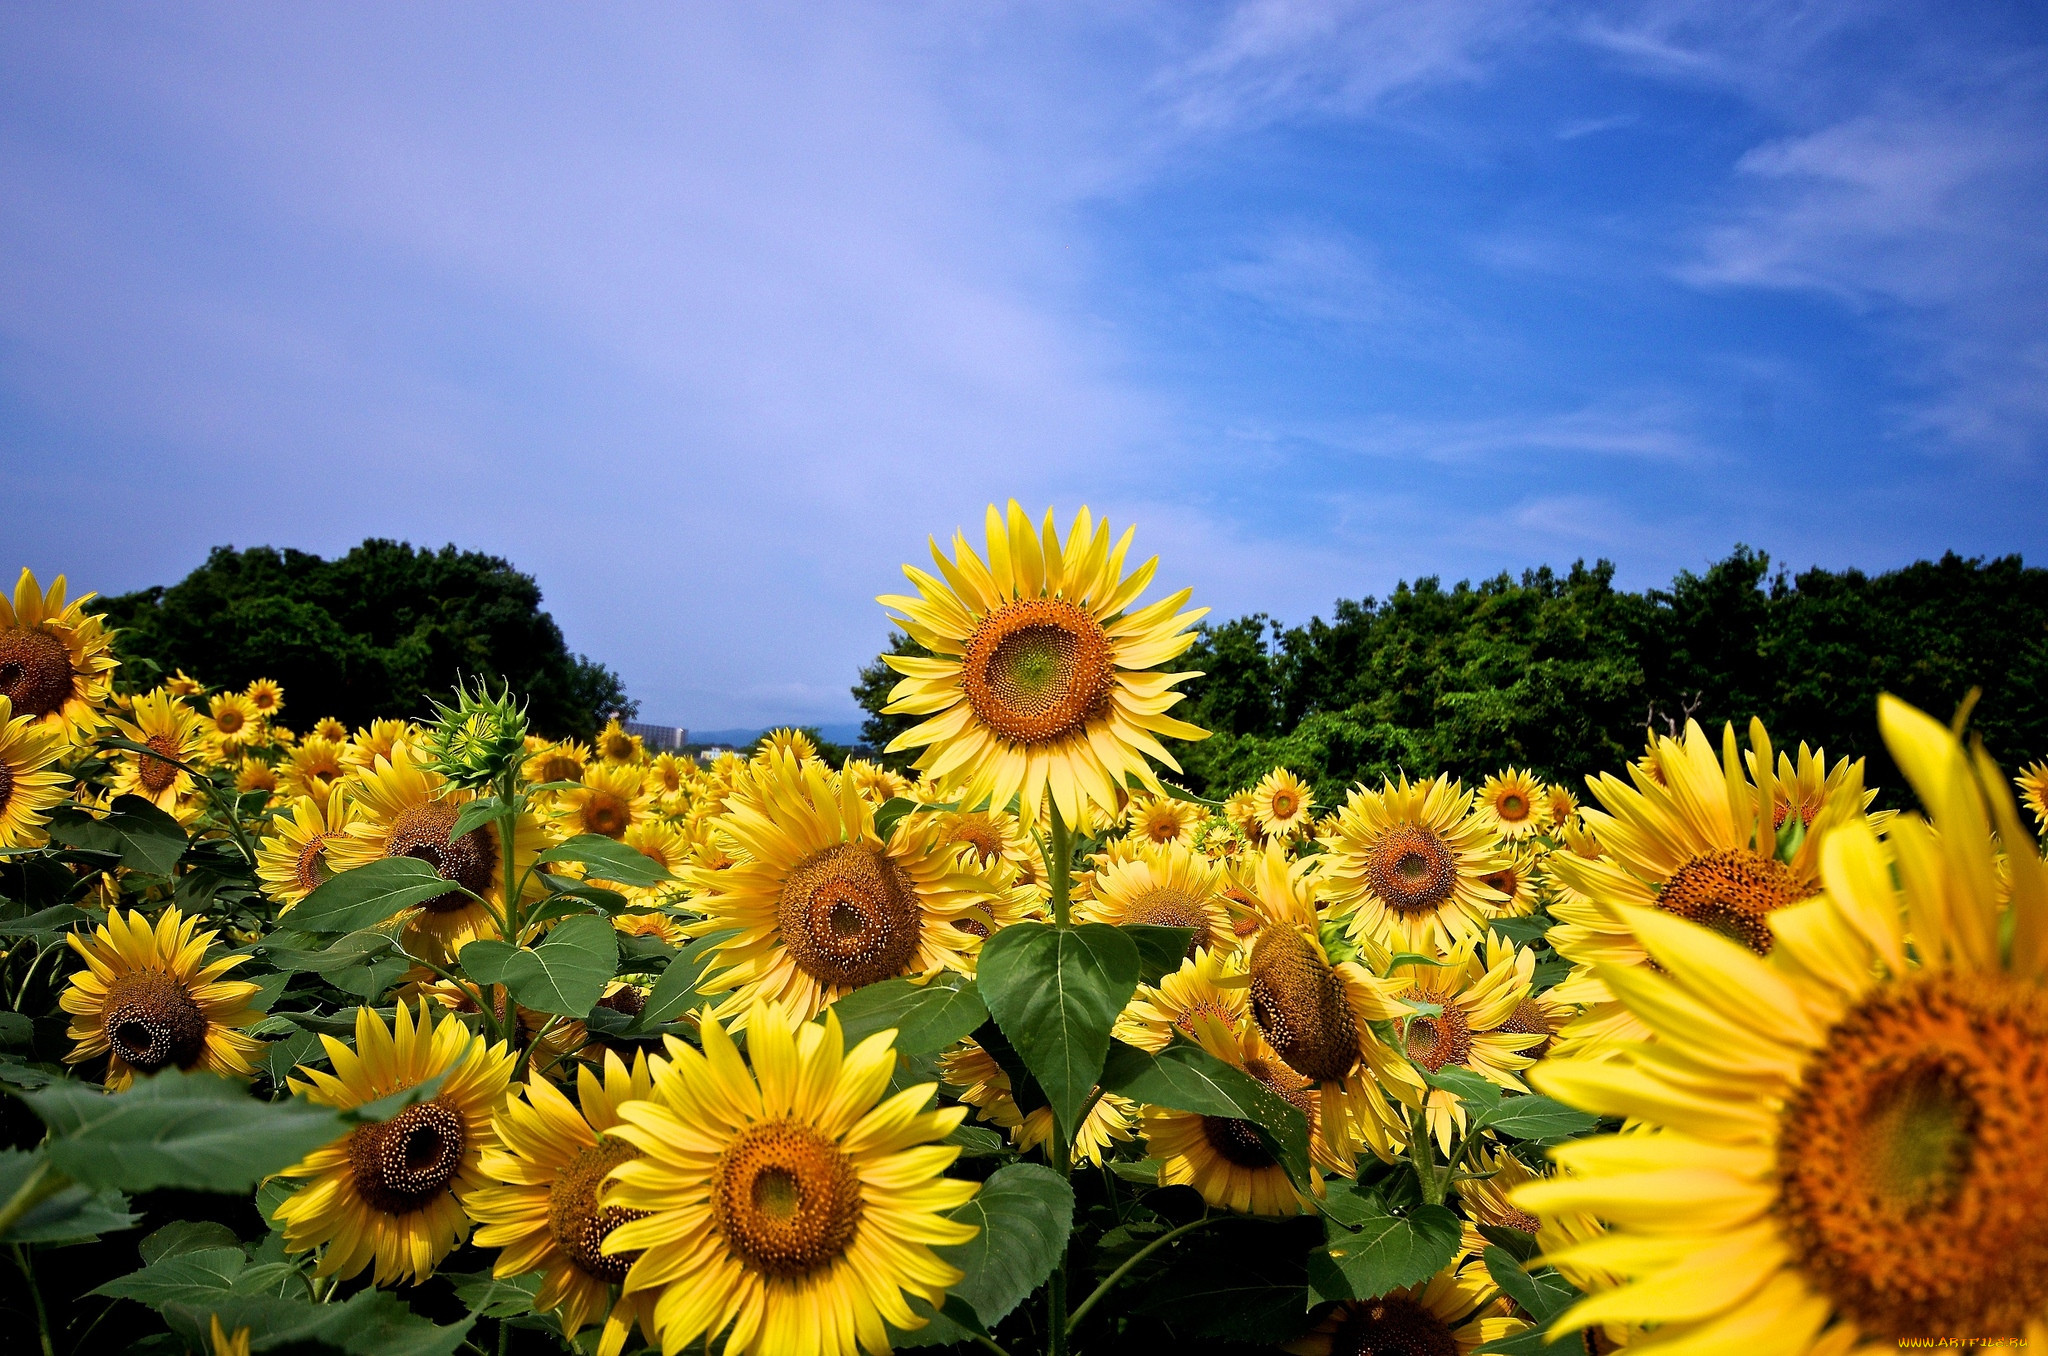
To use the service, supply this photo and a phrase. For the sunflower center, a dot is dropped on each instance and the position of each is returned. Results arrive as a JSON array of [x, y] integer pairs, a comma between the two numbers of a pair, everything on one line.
[[1299, 1004], [1529, 1019], [560, 767], [152, 1022], [403, 1164], [1037, 670], [422, 831], [6, 785], [1512, 808], [629, 999], [1283, 804], [785, 1198], [156, 773], [1412, 869], [1167, 907], [1910, 1176], [578, 1222], [606, 814], [309, 868], [982, 838], [35, 671], [1443, 1039], [849, 917], [1238, 1141], [228, 721], [1734, 892], [1393, 1325], [1507, 880]]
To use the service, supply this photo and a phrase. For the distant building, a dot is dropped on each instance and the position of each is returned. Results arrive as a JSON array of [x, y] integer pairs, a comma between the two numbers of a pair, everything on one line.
[[662, 738]]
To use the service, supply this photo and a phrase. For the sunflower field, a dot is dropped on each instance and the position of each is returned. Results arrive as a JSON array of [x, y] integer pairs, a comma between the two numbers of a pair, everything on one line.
[[431, 1035]]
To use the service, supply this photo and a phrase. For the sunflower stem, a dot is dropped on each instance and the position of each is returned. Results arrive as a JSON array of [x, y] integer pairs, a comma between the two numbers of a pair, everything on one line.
[[28, 1274], [1059, 866], [1109, 1282], [1423, 1154]]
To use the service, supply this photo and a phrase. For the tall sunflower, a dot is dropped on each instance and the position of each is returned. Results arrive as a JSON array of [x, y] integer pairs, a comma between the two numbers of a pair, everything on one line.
[[789, 1208], [1513, 803], [56, 663], [160, 722], [149, 1000], [28, 783], [1283, 803], [614, 745], [391, 1192], [292, 863], [1167, 886], [549, 1161], [822, 903], [1042, 679], [1223, 1158], [1453, 1313], [1407, 865], [1840, 1146]]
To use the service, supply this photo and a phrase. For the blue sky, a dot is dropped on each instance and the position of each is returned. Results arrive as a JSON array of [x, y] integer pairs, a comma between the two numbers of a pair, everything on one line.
[[707, 315]]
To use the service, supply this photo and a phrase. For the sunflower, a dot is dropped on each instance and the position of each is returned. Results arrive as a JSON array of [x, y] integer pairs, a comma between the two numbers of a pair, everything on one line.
[[293, 863], [183, 684], [1283, 803], [822, 904], [313, 768], [1210, 985], [1844, 1135], [1475, 989], [149, 999], [255, 775], [1164, 819], [995, 836], [786, 742], [1513, 804], [379, 739], [1167, 886], [1804, 788], [28, 784], [665, 844], [1453, 1313], [1225, 1159], [874, 781], [1041, 678], [783, 1207], [267, 697], [610, 799], [1407, 863], [330, 729], [551, 1158], [1563, 804], [2033, 787], [161, 722], [232, 724], [1242, 810], [391, 1191], [669, 777], [402, 809], [224, 1343], [616, 746], [1515, 878], [986, 1087], [56, 663]]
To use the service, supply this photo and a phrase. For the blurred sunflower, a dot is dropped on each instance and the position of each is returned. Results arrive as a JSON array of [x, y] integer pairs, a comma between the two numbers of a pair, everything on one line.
[[183, 684], [313, 768], [378, 740], [149, 1000], [1042, 680], [1407, 865], [28, 784], [1840, 1141], [1242, 810], [788, 743], [985, 1086], [874, 781], [232, 724], [1283, 804], [293, 862], [1563, 804], [548, 1163], [1804, 788], [614, 745], [255, 775], [1453, 1313], [226, 1344], [2033, 787], [170, 728], [668, 777], [267, 697], [1513, 804], [787, 1208], [1167, 886], [390, 1192], [56, 663], [1225, 1159], [330, 729], [608, 800]]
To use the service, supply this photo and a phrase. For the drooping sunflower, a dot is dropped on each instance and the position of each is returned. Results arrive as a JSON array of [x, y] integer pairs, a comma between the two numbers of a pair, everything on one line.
[[28, 783], [876, 782], [1167, 886], [149, 1000], [822, 904], [985, 1085], [1042, 680], [1563, 804], [314, 767], [1841, 1140], [232, 724], [2033, 787], [1164, 819], [402, 809], [789, 1208], [293, 862], [267, 697], [549, 1162], [1408, 864], [786, 742], [160, 722], [1210, 985], [1284, 804], [391, 1192], [1453, 1313], [609, 799], [56, 663], [1476, 988], [1223, 1158], [1513, 803]]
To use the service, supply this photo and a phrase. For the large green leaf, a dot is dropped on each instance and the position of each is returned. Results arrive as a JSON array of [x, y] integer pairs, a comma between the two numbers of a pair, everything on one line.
[[74, 1212], [365, 963], [1542, 1295], [368, 895], [1056, 991], [1024, 1212], [1189, 1078], [1160, 949], [676, 991], [565, 974], [1534, 1117], [181, 1236], [1372, 1250], [142, 836], [488, 1296], [608, 859], [928, 1017]]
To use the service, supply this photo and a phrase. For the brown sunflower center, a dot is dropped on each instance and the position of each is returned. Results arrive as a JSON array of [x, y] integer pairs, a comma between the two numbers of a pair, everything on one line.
[[578, 1222], [1393, 1325], [228, 720], [1507, 880], [1238, 1141], [404, 1164], [1443, 1039], [618, 748], [606, 814], [6, 784], [1411, 868], [786, 1199], [982, 838], [849, 916], [470, 861], [309, 868], [1529, 1019], [1038, 670], [1283, 804], [1512, 808], [560, 767], [630, 999], [152, 1022], [1910, 1171], [35, 671], [1168, 907], [1734, 892], [155, 773], [1299, 1004]]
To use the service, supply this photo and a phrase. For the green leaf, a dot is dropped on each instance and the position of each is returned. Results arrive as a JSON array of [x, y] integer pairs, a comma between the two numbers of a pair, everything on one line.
[[142, 836], [369, 895], [565, 888], [1160, 949], [16, 1028], [928, 1017], [975, 1141], [890, 814], [474, 815], [1383, 1251], [364, 963], [181, 1236], [1534, 1117], [1189, 1078], [1462, 1083], [281, 1057], [1543, 1294], [676, 991], [565, 974], [76, 1212], [46, 925], [1516, 1243], [949, 1325], [1056, 991], [608, 859], [1025, 1212], [488, 1296]]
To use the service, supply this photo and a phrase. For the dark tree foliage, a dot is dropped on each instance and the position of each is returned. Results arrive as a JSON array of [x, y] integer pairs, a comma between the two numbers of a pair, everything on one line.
[[872, 692], [374, 633], [1565, 674]]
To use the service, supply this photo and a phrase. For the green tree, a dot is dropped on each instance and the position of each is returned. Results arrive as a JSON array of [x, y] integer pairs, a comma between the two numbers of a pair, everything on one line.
[[373, 633], [872, 692]]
